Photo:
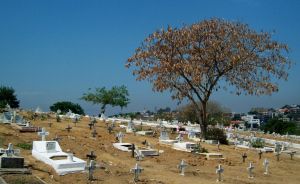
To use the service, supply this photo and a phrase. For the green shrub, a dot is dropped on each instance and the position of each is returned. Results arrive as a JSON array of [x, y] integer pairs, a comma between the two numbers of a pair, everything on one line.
[[24, 146], [65, 106], [216, 134], [257, 143]]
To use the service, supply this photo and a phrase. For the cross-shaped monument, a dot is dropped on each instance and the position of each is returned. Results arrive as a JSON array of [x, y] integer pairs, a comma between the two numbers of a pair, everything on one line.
[[219, 171], [91, 156], [43, 134], [182, 165], [244, 156], [10, 151], [137, 170], [250, 170], [266, 166], [68, 128]]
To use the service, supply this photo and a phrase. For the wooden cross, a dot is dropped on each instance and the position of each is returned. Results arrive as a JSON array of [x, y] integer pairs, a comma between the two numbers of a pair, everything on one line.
[[69, 128], [91, 156], [260, 153], [91, 125], [244, 156], [291, 154], [94, 133]]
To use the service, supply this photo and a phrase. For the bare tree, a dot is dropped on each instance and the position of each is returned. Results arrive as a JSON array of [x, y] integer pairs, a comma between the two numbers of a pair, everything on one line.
[[196, 60]]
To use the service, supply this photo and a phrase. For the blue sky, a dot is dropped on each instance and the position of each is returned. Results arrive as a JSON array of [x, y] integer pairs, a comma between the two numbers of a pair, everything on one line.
[[53, 50]]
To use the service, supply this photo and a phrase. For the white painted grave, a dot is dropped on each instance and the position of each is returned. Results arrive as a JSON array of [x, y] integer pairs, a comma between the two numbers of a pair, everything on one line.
[[51, 153]]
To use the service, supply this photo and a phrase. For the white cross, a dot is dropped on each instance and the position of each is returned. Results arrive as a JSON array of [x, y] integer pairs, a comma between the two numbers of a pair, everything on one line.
[[120, 136], [137, 170], [43, 134], [250, 170], [219, 171], [10, 151], [182, 167], [266, 165]]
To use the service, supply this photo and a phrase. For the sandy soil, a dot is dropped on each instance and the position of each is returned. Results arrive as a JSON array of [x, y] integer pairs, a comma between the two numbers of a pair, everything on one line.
[[160, 169]]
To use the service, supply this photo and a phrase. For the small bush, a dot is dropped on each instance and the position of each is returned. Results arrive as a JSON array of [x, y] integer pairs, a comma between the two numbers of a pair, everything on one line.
[[258, 143], [216, 134], [24, 146]]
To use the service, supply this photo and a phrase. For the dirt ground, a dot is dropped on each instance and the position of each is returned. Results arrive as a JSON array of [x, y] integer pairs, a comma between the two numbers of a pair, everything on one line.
[[159, 169]]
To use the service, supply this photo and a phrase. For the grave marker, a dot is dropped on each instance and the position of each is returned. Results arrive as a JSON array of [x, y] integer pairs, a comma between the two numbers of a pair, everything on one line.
[[68, 128], [182, 165], [9, 159], [91, 156], [266, 166], [250, 170], [94, 133], [244, 156], [43, 134], [219, 171], [91, 169], [291, 154], [259, 154], [120, 136], [137, 170]]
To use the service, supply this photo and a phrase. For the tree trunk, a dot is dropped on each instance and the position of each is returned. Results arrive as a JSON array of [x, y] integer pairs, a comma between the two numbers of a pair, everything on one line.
[[203, 117]]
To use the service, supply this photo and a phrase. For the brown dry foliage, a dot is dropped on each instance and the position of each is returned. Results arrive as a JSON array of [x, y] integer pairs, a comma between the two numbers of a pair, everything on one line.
[[192, 61]]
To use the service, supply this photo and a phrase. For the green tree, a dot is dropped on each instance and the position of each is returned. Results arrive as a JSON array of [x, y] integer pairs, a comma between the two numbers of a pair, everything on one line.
[[65, 106], [116, 96], [7, 96], [194, 61], [278, 126]]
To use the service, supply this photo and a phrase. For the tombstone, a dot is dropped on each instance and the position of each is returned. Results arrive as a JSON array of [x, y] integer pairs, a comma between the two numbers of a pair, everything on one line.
[[244, 156], [91, 169], [57, 138], [132, 150], [43, 134], [277, 154], [266, 166], [91, 156], [259, 154], [137, 170], [218, 145], [120, 136], [9, 158], [250, 170], [182, 165], [138, 155], [110, 129], [219, 171], [68, 128], [130, 127], [94, 133], [164, 135], [292, 153]]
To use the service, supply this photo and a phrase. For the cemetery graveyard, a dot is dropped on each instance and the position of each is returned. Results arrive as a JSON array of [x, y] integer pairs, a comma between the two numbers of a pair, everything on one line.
[[96, 157]]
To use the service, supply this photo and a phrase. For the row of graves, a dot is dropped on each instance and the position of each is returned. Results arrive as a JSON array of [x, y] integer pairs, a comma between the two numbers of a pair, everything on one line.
[[51, 153], [275, 147]]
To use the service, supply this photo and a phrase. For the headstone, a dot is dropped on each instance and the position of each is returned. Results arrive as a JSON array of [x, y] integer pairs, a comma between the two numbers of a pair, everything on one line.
[[68, 128], [94, 133], [250, 170], [182, 165], [137, 170], [120, 136], [130, 127], [244, 156], [292, 153], [164, 135], [43, 134], [219, 171], [91, 156], [138, 155], [259, 154], [57, 138], [266, 166], [9, 158], [91, 169]]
